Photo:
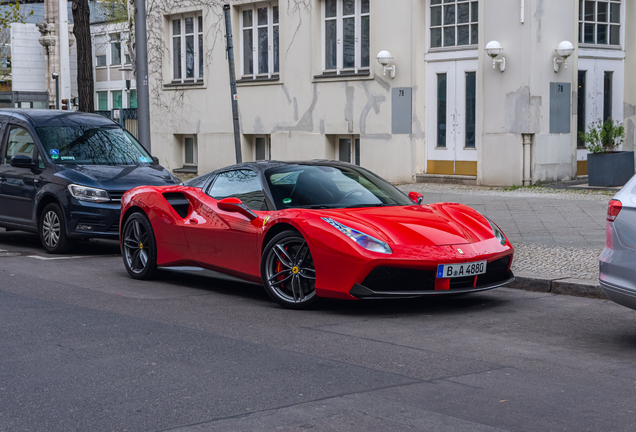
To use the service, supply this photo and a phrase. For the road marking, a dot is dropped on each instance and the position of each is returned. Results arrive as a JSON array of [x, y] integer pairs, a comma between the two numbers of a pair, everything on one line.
[[67, 258]]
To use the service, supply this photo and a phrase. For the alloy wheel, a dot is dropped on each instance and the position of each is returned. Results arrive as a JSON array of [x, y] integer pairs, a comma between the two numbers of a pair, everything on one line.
[[290, 272], [51, 229], [136, 246]]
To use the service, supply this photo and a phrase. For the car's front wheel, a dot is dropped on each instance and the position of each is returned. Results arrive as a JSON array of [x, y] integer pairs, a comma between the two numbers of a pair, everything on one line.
[[288, 272], [53, 230], [139, 247]]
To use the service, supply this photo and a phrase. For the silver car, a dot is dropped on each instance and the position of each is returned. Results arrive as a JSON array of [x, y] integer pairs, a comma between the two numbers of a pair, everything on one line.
[[618, 260]]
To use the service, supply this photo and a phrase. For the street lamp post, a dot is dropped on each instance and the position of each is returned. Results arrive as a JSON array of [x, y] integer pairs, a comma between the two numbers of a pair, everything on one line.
[[127, 72], [56, 76]]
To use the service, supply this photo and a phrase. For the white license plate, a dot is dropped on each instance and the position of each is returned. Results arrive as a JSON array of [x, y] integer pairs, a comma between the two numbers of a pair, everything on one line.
[[461, 270]]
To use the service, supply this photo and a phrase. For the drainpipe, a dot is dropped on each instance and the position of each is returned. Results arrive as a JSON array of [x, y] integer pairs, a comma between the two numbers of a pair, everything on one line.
[[527, 159]]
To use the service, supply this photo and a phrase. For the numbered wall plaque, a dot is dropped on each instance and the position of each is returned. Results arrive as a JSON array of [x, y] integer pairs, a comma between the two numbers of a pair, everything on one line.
[[401, 111], [560, 107]]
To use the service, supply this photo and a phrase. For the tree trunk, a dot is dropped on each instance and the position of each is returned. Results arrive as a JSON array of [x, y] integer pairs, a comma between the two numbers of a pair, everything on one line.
[[82, 31]]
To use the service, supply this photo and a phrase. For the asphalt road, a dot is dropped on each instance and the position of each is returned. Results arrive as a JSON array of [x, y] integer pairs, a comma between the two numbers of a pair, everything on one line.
[[86, 348]]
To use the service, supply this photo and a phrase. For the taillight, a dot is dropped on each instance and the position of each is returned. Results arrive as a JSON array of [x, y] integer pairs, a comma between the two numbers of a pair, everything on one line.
[[614, 209]]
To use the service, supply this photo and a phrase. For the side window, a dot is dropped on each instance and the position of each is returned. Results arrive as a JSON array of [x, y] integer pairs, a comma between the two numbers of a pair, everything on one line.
[[241, 184], [20, 143]]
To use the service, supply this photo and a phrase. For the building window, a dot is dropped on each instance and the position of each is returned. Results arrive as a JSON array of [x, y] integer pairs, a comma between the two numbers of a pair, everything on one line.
[[101, 45], [454, 23], [187, 48], [115, 49], [441, 110], [600, 22], [608, 80], [346, 21], [116, 99], [102, 101], [348, 149], [262, 147], [259, 40], [580, 111], [189, 151], [133, 98], [471, 108]]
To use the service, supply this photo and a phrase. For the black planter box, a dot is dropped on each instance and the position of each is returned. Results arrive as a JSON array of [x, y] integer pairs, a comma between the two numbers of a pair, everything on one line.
[[610, 169]]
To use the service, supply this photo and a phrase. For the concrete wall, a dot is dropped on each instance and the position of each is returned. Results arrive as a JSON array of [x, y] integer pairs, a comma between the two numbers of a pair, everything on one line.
[[301, 113], [304, 114], [517, 101]]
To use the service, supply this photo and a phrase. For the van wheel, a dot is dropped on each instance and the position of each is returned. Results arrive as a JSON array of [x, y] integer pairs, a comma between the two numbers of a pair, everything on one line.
[[52, 230]]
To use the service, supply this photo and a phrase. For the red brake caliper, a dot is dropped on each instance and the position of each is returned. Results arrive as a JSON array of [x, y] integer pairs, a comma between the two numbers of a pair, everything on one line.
[[278, 269]]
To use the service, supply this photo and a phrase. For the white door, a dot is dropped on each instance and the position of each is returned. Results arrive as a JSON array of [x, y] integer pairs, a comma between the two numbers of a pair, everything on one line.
[[600, 87], [451, 119]]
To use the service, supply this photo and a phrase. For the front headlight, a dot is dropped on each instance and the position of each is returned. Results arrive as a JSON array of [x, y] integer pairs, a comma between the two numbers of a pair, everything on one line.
[[498, 234], [84, 193], [364, 240]]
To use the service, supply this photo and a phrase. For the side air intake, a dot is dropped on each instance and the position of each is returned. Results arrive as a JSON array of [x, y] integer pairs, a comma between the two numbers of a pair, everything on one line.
[[179, 203]]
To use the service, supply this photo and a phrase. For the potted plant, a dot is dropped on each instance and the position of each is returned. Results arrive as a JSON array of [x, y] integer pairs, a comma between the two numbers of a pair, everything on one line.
[[607, 166]]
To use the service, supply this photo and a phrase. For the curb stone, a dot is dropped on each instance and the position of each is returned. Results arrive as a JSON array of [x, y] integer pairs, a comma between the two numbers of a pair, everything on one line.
[[558, 285]]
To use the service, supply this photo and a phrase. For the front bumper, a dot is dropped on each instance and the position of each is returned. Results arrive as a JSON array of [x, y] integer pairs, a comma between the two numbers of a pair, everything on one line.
[[387, 282], [86, 220]]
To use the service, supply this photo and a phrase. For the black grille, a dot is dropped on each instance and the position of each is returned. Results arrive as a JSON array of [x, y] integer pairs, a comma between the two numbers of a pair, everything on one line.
[[390, 279], [397, 279], [496, 271], [114, 227], [116, 195]]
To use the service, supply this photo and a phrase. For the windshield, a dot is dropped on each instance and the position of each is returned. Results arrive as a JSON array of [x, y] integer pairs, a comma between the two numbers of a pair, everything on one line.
[[92, 145], [303, 186]]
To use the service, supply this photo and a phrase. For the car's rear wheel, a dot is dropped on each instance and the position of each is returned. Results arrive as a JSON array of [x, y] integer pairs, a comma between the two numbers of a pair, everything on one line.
[[139, 247], [53, 230], [288, 272]]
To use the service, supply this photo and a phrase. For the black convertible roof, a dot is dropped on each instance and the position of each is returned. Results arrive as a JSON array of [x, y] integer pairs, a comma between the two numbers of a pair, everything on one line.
[[262, 166], [44, 117]]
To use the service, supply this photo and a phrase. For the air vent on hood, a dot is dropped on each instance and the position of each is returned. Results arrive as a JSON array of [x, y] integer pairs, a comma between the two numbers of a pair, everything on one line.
[[179, 203]]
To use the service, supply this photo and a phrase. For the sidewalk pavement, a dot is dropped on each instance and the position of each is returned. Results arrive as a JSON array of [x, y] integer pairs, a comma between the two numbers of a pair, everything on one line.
[[558, 232]]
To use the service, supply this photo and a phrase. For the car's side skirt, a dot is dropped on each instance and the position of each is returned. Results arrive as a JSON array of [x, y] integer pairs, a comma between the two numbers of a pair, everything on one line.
[[200, 271]]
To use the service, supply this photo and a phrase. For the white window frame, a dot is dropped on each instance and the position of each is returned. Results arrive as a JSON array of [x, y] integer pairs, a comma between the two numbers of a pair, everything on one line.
[[353, 139], [97, 99], [195, 151], [270, 40], [340, 35], [110, 46], [470, 24], [621, 25], [268, 147], [197, 32], [101, 51]]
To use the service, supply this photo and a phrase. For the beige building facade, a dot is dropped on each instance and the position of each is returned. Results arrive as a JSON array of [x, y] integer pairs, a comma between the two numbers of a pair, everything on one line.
[[310, 86]]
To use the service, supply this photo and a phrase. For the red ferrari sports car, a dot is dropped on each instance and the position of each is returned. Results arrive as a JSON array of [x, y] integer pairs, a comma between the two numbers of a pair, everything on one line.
[[306, 230]]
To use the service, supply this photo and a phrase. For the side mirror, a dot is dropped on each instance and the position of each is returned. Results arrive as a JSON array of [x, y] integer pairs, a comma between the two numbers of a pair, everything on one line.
[[155, 159], [416, 197], [21, 161], [236, 205]]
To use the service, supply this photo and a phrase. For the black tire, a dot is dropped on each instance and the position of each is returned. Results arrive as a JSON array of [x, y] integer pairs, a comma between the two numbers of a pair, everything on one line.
[[287, 271], [139, 247], [52, 230]]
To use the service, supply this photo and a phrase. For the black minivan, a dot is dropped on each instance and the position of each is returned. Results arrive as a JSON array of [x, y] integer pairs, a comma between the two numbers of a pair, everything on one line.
[[62, 174]]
